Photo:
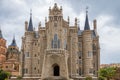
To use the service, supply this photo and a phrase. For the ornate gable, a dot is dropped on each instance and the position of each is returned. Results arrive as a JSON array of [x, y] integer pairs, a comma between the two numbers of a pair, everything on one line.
[[55, 10]]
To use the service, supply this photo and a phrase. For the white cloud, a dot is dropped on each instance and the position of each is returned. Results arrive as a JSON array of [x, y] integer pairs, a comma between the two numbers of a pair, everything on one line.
[[15, 12], [109, 38]]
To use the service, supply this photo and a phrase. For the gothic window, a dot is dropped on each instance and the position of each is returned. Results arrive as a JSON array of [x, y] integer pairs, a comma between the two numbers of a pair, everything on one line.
[[55, 18], [25, 70], [38, 71], [15, 67], [94, 72], [94, 47], [55, 37], [77, 71], [65, 45], [35, 68], [38, 61], [58, 43], [80, 62], [6, 66], [90, 54], [27, 54], [10, 48], [55, 45], [80, 55], [35, 55], [79, 45], [80, 71], [55, 24], [90, 70], [55, 42], [52, 43]]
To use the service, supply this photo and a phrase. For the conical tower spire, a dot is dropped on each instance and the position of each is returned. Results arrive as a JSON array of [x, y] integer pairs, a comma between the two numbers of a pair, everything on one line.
[[1, 36], [86, 27], [13, 42], [30, 27]]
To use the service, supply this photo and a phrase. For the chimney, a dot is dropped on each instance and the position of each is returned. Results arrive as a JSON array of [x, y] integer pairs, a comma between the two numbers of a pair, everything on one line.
[[95, 24], [26, 25]]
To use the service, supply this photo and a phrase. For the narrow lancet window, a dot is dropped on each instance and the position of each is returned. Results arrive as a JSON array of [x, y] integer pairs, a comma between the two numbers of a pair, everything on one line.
[[55, 42]]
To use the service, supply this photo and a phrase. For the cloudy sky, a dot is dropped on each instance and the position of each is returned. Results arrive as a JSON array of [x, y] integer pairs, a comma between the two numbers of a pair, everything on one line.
[[13, 14]]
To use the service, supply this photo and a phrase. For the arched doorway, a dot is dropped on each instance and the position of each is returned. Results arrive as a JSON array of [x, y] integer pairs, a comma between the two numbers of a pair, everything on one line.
[[56, 70]]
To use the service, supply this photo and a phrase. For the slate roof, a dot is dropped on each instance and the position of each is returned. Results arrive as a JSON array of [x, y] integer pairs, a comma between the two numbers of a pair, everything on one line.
[[86, 27], [13, 42], [80, 32], [30, 27], [1, 36]]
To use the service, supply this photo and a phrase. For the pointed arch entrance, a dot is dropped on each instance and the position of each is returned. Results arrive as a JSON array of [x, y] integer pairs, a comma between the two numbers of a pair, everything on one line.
[[56, 70]]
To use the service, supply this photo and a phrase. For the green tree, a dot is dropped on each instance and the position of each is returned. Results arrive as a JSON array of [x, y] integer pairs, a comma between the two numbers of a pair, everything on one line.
[[101, 78], [108, 72], [4, 75], [19, 77], [88, 78]]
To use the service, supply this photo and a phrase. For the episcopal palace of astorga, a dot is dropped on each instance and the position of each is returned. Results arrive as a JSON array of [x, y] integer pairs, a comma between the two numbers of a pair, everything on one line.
[[59, 51]]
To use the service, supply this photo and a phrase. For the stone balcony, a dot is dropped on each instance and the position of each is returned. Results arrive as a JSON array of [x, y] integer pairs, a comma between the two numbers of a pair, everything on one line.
[[55, 51]]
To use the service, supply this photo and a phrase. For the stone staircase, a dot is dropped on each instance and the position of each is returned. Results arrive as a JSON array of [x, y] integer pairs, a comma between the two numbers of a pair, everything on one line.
[[55, 78]]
